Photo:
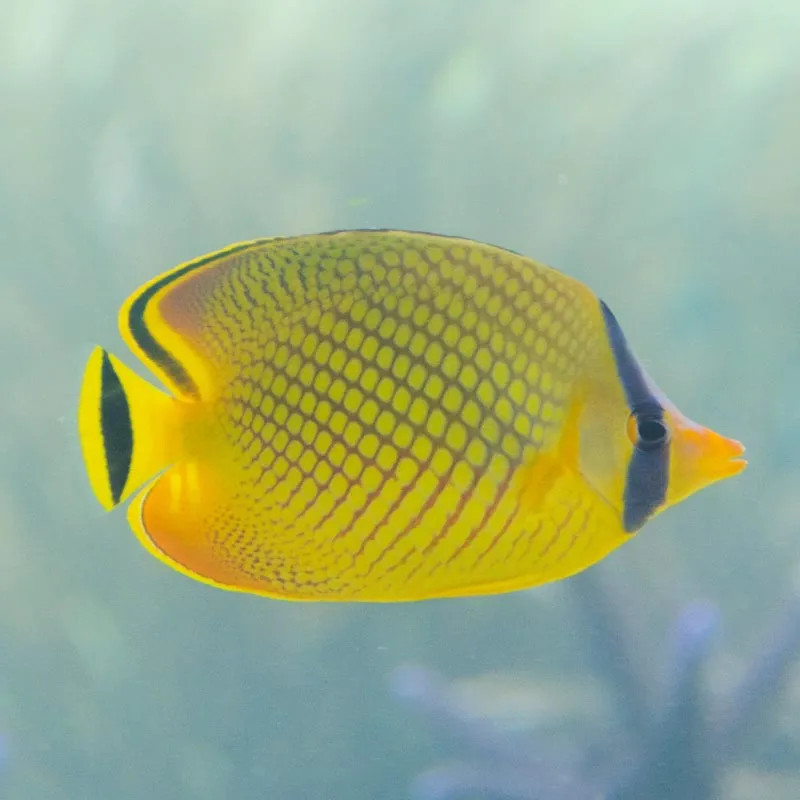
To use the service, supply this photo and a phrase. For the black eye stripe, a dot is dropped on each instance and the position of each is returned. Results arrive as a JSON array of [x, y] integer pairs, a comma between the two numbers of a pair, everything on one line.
[[637, 393], [645, 486], [648, 470], [650, 408]]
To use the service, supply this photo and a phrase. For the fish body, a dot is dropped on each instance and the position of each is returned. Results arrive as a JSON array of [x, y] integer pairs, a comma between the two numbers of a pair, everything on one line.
[[383, 415]]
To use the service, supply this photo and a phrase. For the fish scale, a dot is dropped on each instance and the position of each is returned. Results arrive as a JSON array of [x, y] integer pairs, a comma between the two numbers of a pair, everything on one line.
[[404, 340], [373, 415]]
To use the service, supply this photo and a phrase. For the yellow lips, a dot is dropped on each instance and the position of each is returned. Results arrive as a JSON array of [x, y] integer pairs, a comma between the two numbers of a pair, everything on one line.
[[728, 456], [699, 457]]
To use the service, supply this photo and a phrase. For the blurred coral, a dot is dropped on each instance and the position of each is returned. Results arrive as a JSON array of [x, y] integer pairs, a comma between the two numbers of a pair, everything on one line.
[[687, 741]]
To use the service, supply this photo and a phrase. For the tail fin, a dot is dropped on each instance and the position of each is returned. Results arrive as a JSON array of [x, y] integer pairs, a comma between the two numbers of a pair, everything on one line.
[[126, 427]]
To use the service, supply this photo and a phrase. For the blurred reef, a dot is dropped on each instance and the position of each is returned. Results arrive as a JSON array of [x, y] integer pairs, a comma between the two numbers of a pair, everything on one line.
[[614, 739]]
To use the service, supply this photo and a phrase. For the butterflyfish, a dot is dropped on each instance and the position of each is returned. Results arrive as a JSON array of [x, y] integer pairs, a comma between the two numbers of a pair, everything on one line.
[[383, 415]]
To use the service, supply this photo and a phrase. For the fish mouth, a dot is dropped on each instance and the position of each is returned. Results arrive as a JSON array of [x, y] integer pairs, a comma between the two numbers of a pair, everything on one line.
[[735, 462], [704, 455], [729, 457]]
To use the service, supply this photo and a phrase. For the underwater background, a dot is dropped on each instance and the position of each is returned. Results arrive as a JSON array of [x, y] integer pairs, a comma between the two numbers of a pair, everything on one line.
[[648, 149]]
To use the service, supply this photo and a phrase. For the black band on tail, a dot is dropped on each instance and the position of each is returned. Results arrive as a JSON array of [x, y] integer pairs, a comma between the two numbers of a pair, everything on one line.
[[115, 422]]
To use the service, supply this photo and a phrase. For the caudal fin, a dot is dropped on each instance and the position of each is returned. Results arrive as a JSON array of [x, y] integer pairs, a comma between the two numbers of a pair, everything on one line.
[[126, 427]]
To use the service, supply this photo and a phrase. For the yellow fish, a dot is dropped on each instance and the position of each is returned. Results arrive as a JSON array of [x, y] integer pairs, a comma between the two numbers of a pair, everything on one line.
[[383, 415]]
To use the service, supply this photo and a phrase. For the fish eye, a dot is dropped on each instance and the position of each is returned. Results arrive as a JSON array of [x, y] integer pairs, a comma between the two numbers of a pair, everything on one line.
[[647, 431], [652, 431]]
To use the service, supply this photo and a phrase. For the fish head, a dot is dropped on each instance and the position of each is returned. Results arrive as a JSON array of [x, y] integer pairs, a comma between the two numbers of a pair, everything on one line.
[[645, 459], [636, 448]]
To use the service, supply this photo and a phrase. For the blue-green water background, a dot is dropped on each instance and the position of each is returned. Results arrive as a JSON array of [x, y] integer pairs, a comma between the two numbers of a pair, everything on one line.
[[648, 148]]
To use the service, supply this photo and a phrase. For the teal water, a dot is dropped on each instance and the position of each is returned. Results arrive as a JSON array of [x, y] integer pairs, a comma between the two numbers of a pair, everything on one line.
[[649, 149]]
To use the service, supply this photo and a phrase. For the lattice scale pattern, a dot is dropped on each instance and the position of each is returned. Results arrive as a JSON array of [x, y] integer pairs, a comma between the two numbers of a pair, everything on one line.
[[392, 401]]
